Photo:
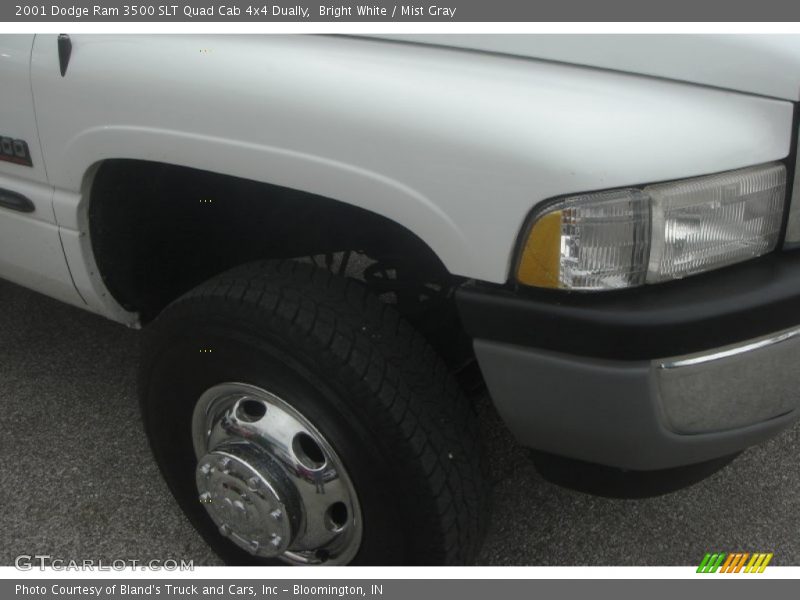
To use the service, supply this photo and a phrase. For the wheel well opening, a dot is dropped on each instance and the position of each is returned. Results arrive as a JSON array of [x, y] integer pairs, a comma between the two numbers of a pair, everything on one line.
[[158, 230]]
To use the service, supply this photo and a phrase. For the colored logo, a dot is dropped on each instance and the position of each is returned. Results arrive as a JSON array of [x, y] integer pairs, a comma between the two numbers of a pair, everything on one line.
[[734, 562]]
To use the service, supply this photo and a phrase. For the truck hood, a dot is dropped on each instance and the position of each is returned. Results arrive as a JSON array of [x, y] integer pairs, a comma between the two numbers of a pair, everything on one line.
[[767, 65]]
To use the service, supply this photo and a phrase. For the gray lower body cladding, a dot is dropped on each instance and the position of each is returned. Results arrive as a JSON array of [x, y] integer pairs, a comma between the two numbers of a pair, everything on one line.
[[643, 415]]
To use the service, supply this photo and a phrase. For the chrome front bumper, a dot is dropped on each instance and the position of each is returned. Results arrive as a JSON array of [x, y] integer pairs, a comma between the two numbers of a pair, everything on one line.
[[731, 387]]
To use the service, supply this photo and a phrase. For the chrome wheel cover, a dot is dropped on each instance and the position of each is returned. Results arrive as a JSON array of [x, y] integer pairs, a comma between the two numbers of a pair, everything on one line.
[[270, 480]]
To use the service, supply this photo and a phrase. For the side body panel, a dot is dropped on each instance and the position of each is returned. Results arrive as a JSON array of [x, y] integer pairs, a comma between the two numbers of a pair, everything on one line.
[[30, 250], [457, 146]]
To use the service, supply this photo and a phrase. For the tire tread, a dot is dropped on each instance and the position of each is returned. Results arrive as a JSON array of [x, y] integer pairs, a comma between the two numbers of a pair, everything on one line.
[[420, 409]]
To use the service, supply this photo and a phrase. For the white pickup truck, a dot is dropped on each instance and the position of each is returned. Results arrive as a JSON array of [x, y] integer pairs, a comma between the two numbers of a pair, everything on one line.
[[326, 239]]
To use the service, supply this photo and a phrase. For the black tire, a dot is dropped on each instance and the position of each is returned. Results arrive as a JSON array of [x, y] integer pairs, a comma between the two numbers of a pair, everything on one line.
[[364, 377]]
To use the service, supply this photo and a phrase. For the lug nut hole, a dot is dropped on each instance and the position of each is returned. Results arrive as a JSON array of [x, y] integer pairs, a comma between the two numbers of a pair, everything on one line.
[[336, 516], [308, 451], [250, 411]]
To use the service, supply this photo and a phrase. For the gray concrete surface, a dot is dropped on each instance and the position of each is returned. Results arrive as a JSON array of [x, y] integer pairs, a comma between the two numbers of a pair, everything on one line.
[[78, 481]]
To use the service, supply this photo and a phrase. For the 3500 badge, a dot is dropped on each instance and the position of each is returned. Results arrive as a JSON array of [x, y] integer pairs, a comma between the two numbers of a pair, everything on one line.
[[15, 151]]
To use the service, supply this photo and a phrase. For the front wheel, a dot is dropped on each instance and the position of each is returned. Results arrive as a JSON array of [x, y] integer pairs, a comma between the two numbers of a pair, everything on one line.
[[297, 419]]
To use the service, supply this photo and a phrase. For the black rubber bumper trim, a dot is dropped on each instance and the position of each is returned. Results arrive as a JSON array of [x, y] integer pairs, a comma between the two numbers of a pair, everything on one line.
[[698, 313]]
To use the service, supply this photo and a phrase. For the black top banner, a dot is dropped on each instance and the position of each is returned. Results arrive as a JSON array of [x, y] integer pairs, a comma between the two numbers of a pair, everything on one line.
[[388, 11]]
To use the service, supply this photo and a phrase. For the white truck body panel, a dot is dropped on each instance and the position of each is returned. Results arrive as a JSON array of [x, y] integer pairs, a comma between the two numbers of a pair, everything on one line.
[[17, 117], [30, 249], [767, 65], [456, 146]]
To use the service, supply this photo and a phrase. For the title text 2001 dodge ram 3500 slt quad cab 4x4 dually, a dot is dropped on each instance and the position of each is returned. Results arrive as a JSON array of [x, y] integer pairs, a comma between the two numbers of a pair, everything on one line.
[[326, 238]]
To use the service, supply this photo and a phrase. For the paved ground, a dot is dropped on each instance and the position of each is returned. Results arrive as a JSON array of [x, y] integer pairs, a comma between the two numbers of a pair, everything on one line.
[[78, 481]]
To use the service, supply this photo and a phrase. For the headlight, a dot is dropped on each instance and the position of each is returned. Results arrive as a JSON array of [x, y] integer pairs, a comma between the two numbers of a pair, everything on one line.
[[629, 237]]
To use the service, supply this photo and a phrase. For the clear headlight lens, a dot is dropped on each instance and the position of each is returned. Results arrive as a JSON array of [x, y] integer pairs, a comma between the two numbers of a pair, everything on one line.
[[628, 237]]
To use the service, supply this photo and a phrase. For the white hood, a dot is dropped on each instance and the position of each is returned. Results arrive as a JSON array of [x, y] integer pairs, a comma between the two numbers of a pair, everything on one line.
[[768, 65]]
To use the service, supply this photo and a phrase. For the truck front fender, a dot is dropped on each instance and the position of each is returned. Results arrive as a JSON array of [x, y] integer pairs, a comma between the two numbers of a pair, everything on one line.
[[457, 146]]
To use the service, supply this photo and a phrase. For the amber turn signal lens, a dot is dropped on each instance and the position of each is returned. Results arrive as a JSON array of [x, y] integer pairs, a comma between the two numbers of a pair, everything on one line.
[[541, 255]]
